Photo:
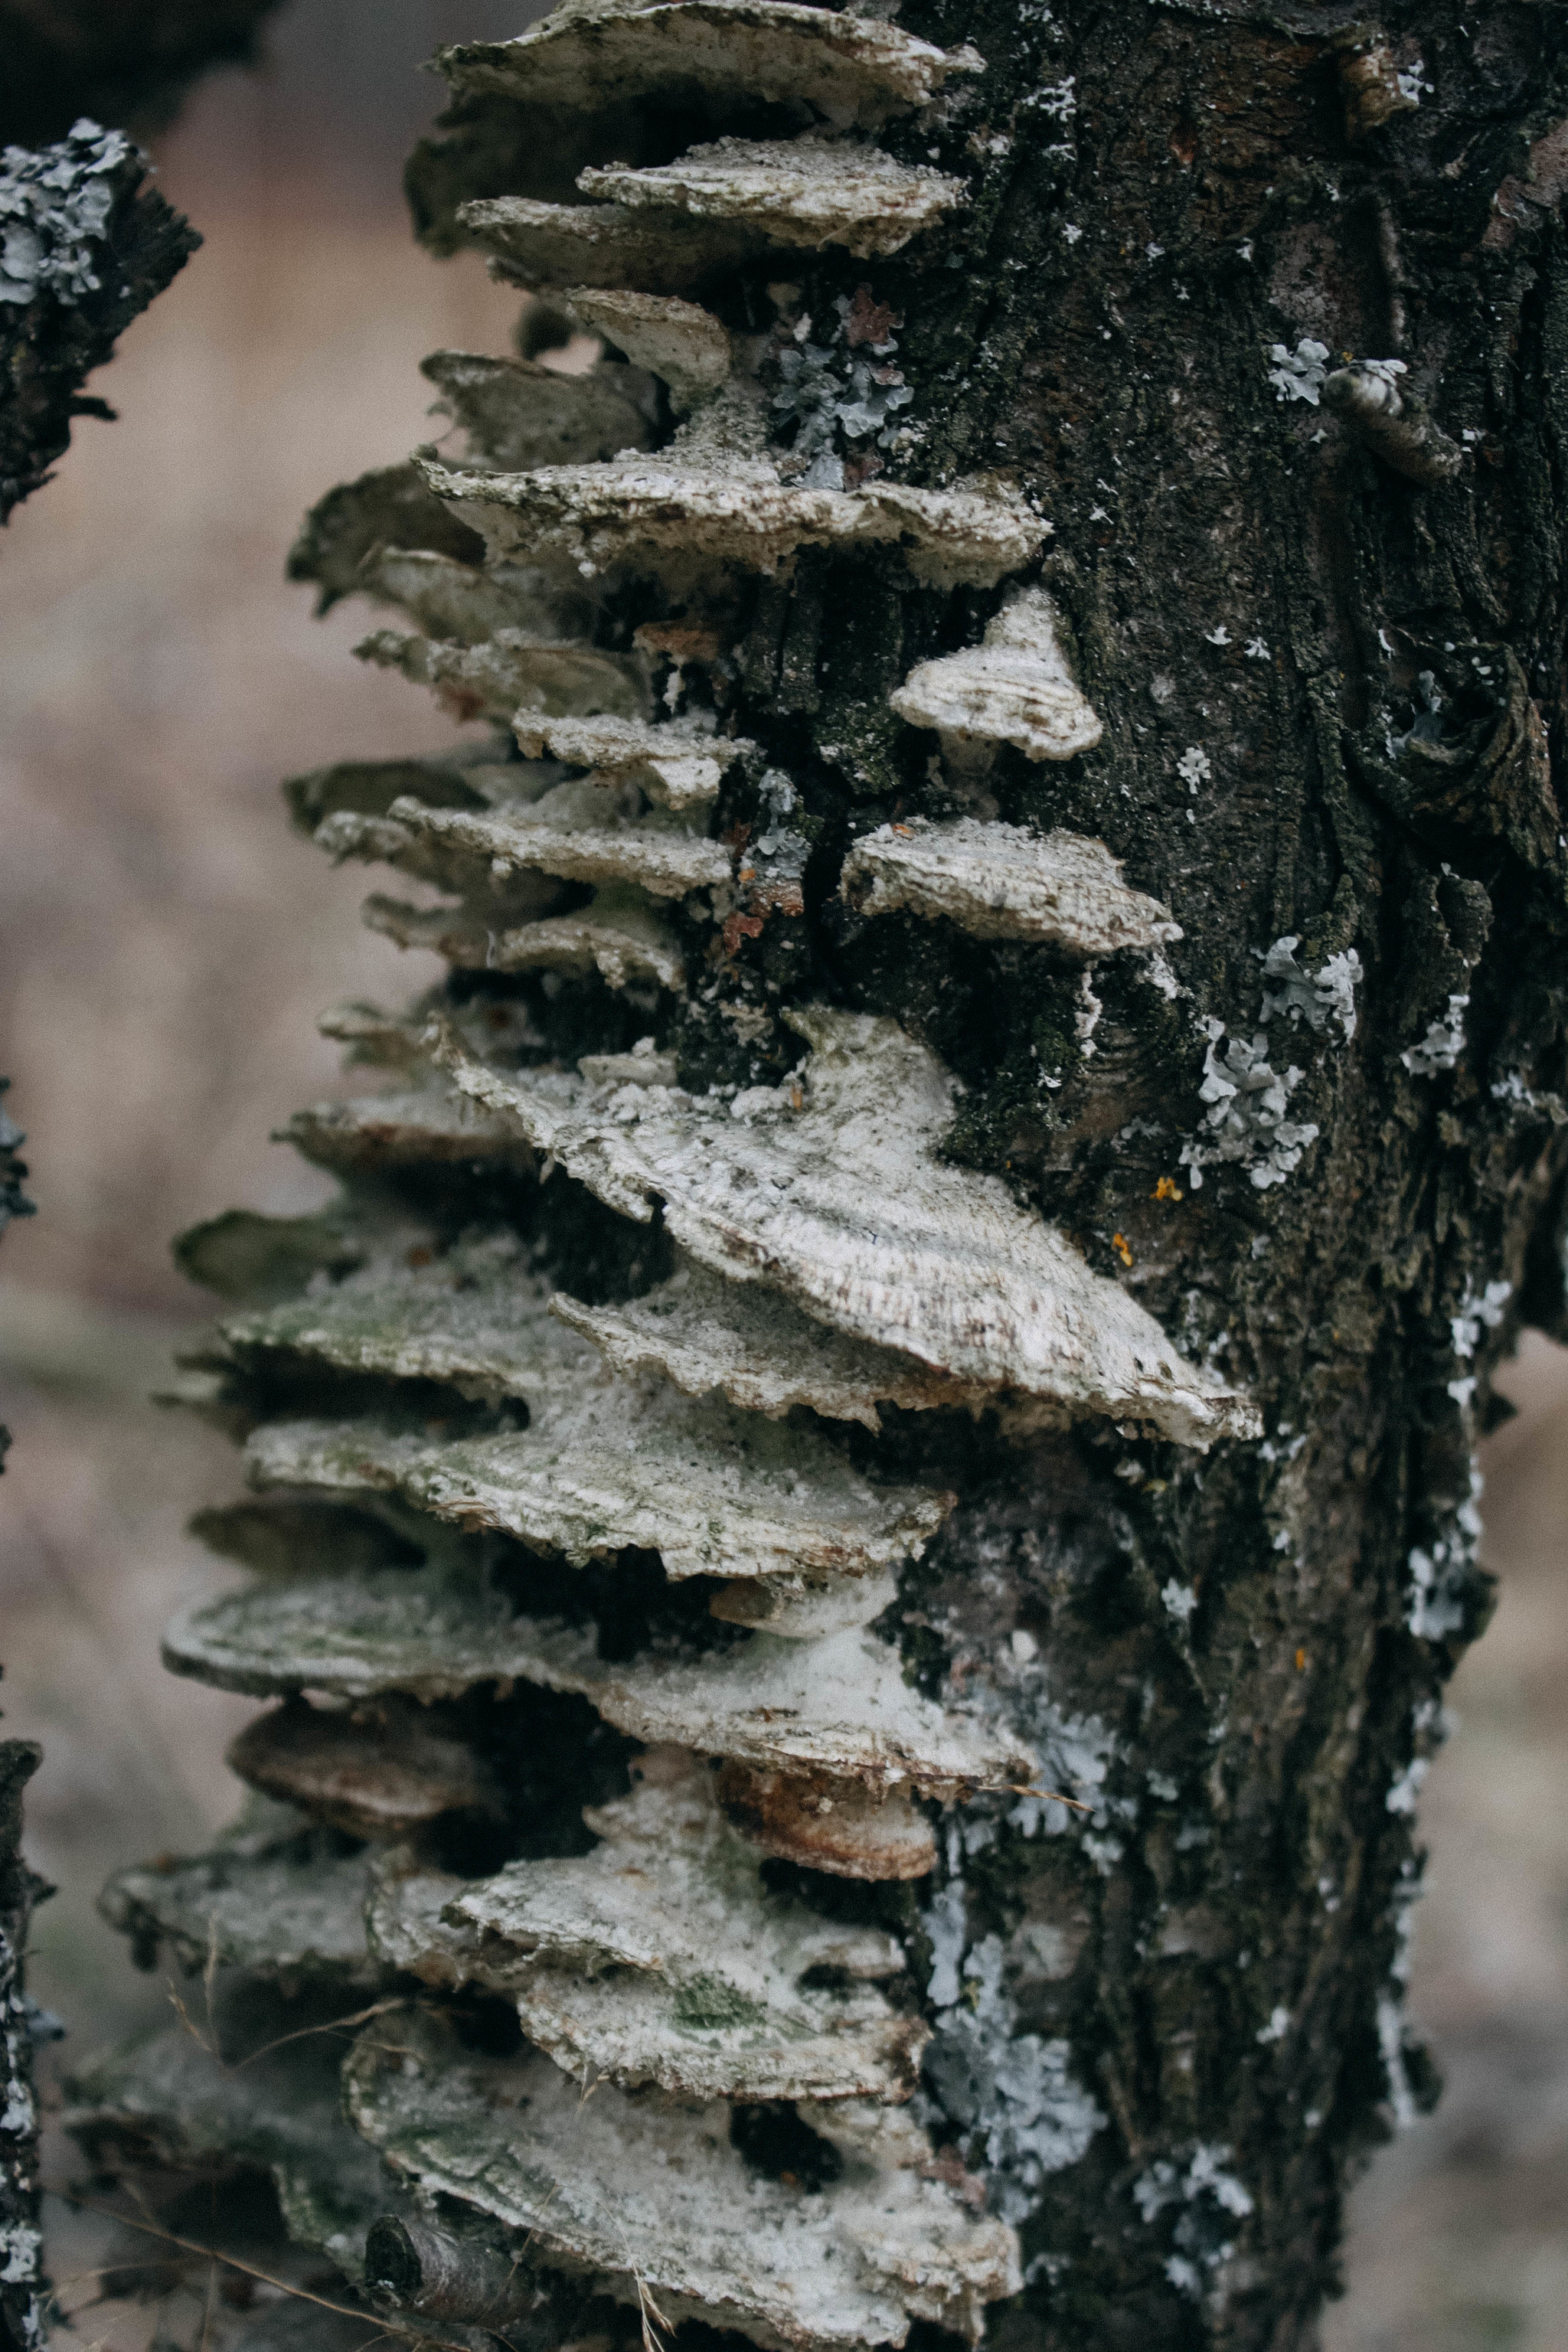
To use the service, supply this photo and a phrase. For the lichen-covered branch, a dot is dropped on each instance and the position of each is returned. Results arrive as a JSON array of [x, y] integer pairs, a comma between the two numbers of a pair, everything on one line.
[[85, 245]]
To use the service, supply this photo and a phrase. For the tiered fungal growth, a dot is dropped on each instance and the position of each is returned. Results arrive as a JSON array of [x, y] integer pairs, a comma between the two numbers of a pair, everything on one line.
[[556, 1419]]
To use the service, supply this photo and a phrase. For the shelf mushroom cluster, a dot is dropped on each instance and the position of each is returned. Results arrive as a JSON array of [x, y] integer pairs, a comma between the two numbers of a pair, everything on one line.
[[439, 1432]]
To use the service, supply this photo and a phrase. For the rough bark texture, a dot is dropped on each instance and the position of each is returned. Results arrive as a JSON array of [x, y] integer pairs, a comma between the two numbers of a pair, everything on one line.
[[118, 60], [84, 247], [21, 2318], [1267, 311], [21, 2270]]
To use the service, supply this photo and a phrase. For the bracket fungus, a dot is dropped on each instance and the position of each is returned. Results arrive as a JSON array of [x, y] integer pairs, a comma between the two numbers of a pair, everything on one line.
[[582, 1309], [999, 882], [663, 1958], [830, 1188], [802, 192], [1015, 686], [717, 56]]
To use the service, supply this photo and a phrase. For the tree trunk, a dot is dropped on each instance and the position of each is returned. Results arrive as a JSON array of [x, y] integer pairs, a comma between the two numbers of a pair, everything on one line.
[[1147, 1358]]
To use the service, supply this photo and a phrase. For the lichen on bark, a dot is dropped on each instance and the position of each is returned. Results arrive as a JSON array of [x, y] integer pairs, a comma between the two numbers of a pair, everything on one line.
[[917, 1011], [85, 245]]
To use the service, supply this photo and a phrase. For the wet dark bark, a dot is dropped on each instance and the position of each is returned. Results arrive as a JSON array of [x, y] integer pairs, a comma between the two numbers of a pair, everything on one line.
[[1373, 669]]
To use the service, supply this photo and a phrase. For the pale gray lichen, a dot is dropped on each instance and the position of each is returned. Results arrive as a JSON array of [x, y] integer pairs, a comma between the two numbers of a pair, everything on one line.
[[1478, 1310], [1513, 1091], [1406, 1787], [1443, 1044], [1299, 375], [843, 389], [54, 203], [1372, 394], [1211, 2199], [1426, 725], [1441, 1574], [1014, 2092], [1328, 993], [1246, 1123], [1073, 1753]]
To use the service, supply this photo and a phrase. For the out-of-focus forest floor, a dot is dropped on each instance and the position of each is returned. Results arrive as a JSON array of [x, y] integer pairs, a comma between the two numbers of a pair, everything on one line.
[[168, 943]]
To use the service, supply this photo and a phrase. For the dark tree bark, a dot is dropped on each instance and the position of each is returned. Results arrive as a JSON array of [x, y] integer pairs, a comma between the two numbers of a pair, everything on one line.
[[21, 2269], [1268, 312], [1384, 778], [21, 2318], [83, 248]]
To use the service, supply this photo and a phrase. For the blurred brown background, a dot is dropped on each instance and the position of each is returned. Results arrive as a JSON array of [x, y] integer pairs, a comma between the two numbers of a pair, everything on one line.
[[168, 942]]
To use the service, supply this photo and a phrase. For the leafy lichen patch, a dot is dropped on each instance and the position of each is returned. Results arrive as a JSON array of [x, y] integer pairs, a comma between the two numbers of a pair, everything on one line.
[[84, 247]]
